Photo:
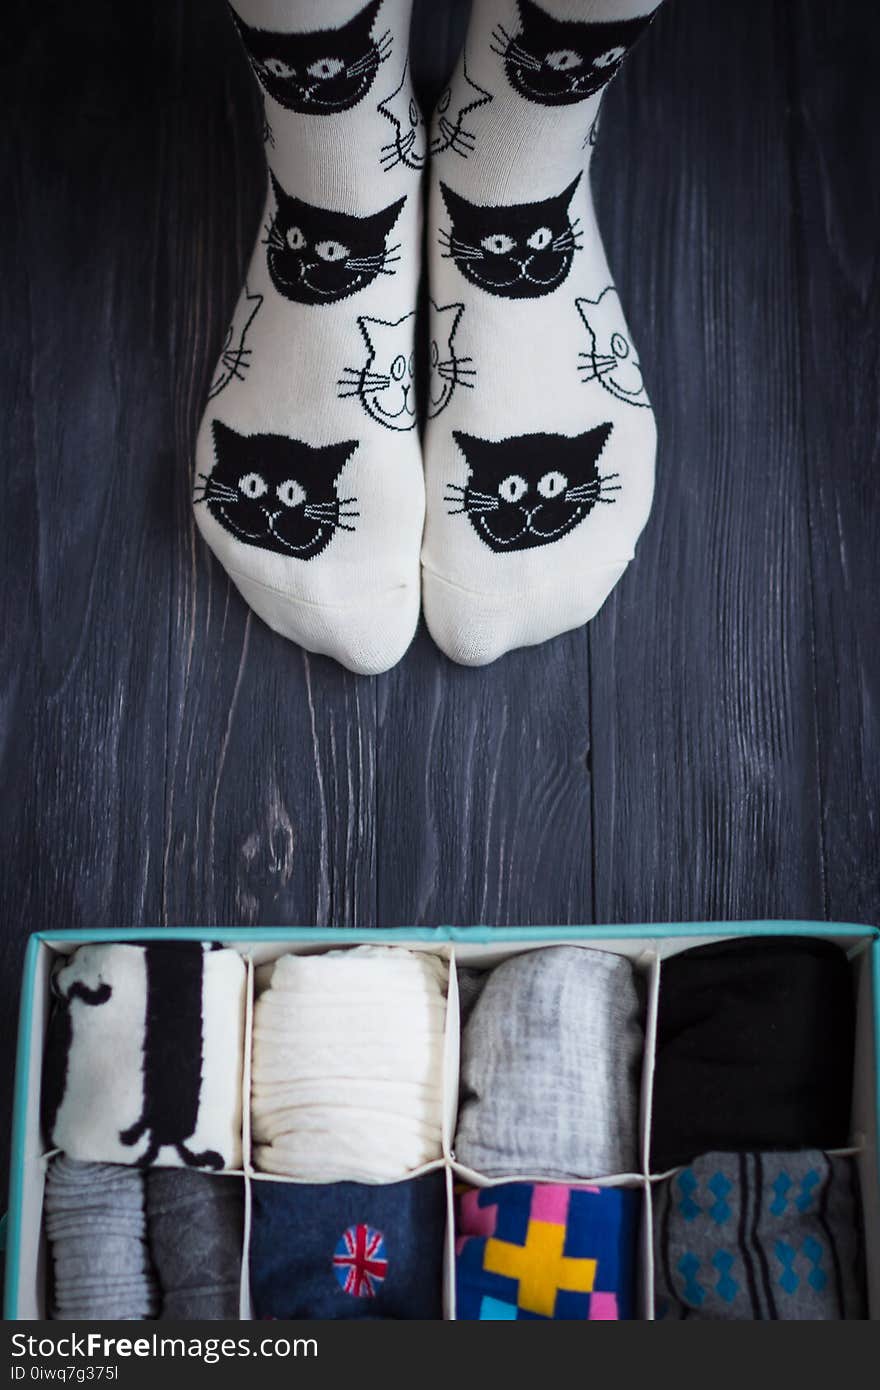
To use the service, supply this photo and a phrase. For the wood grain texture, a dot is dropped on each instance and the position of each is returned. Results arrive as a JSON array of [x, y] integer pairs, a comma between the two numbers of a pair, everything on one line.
[[835, 103], [702, 703], [708, 747]]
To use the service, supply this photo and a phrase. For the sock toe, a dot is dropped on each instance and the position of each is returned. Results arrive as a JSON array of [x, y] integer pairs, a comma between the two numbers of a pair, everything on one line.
[[475, 629], [367, 637]]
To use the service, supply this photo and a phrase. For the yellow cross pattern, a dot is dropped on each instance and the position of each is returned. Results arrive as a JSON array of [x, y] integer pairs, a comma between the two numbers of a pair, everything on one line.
[[540, 1267]]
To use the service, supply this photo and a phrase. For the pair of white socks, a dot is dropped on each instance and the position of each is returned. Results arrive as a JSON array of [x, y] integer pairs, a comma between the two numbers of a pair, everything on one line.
[[515, 514], [348, 1065]]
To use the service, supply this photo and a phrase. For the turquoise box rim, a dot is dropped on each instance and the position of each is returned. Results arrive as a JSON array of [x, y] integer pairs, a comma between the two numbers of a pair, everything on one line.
[[476, 935]]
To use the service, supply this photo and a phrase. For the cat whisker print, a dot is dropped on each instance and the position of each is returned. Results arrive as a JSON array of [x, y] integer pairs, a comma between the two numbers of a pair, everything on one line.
[[317, 256], [456, 104], [388, 395], [532, 489], [277, 493], [213, 490], [611, 358], [508, 48], [320, 71], [519, 251], [556, 62], [450, 137], [456, 371]]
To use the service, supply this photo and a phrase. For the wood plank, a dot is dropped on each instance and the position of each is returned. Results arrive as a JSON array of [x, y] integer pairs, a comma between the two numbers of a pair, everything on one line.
[[704, 729], [483, 793], [835, 114]]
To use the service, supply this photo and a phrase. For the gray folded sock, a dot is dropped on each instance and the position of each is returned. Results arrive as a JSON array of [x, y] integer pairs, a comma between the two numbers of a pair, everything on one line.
[[750, 1236], [550, 1064], [196, 1223], [96, 1227]]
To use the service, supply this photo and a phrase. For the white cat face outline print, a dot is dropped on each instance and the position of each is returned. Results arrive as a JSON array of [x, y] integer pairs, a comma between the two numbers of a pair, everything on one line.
[[385, 384], [457, 102], [611, 358], [409, 143], [234, 356], [447, 368]]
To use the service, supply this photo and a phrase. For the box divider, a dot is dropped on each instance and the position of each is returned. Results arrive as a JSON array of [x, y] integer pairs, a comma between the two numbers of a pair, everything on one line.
[[647, 1251]]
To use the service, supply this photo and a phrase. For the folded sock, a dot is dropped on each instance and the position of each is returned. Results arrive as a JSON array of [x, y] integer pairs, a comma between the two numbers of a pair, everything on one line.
[[143, 1058], [96, 1229], [550, 1064], [759, 1236], [527, 1251], [196, 1226], [754, 1049], [348, 1250], [348, 1065]]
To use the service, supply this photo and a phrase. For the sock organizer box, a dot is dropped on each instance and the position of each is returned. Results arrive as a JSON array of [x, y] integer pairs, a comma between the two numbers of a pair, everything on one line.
[[466, 949]]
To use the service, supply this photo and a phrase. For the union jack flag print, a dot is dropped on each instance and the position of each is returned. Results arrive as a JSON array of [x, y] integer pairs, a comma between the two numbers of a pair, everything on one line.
[[360, 1262]]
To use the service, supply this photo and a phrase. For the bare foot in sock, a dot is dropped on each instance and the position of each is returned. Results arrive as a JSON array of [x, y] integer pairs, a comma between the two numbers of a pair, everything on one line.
[[309, 486], [540, 474]]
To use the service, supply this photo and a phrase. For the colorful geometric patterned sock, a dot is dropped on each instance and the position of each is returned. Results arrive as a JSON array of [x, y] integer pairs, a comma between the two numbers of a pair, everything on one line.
[[348, 1250], [539, 453], [530, 1252], [550, 1063], [781, 1009], [196, 1227], [309, 486], [759, 1236]]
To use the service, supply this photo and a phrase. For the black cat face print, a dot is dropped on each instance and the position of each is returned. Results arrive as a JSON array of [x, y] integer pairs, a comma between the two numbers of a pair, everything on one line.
[[448, 369], [276, 493], [557, 62], [322, 71], [316, 256], [409, 142], [235, 357], [453, 117], [385, 382], [531, 490], [610, 357], [520, 251]]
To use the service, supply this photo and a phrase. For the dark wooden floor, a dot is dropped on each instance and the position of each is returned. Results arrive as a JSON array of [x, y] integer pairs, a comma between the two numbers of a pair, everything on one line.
[[709, 747]]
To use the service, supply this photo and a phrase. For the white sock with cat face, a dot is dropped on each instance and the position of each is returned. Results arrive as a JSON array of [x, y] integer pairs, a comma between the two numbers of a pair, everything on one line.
[[539, 455], [309, 485]]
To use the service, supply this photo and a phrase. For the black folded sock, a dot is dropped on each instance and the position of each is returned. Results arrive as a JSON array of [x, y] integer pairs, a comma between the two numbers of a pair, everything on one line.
[[754, 1049]]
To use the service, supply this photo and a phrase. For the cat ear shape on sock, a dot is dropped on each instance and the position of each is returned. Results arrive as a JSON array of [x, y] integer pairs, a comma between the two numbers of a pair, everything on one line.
[[611, 358], [318, 72], [520, 251], [532, 489], [557, 62], [317, 256], [276, 493], [385, 384]]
